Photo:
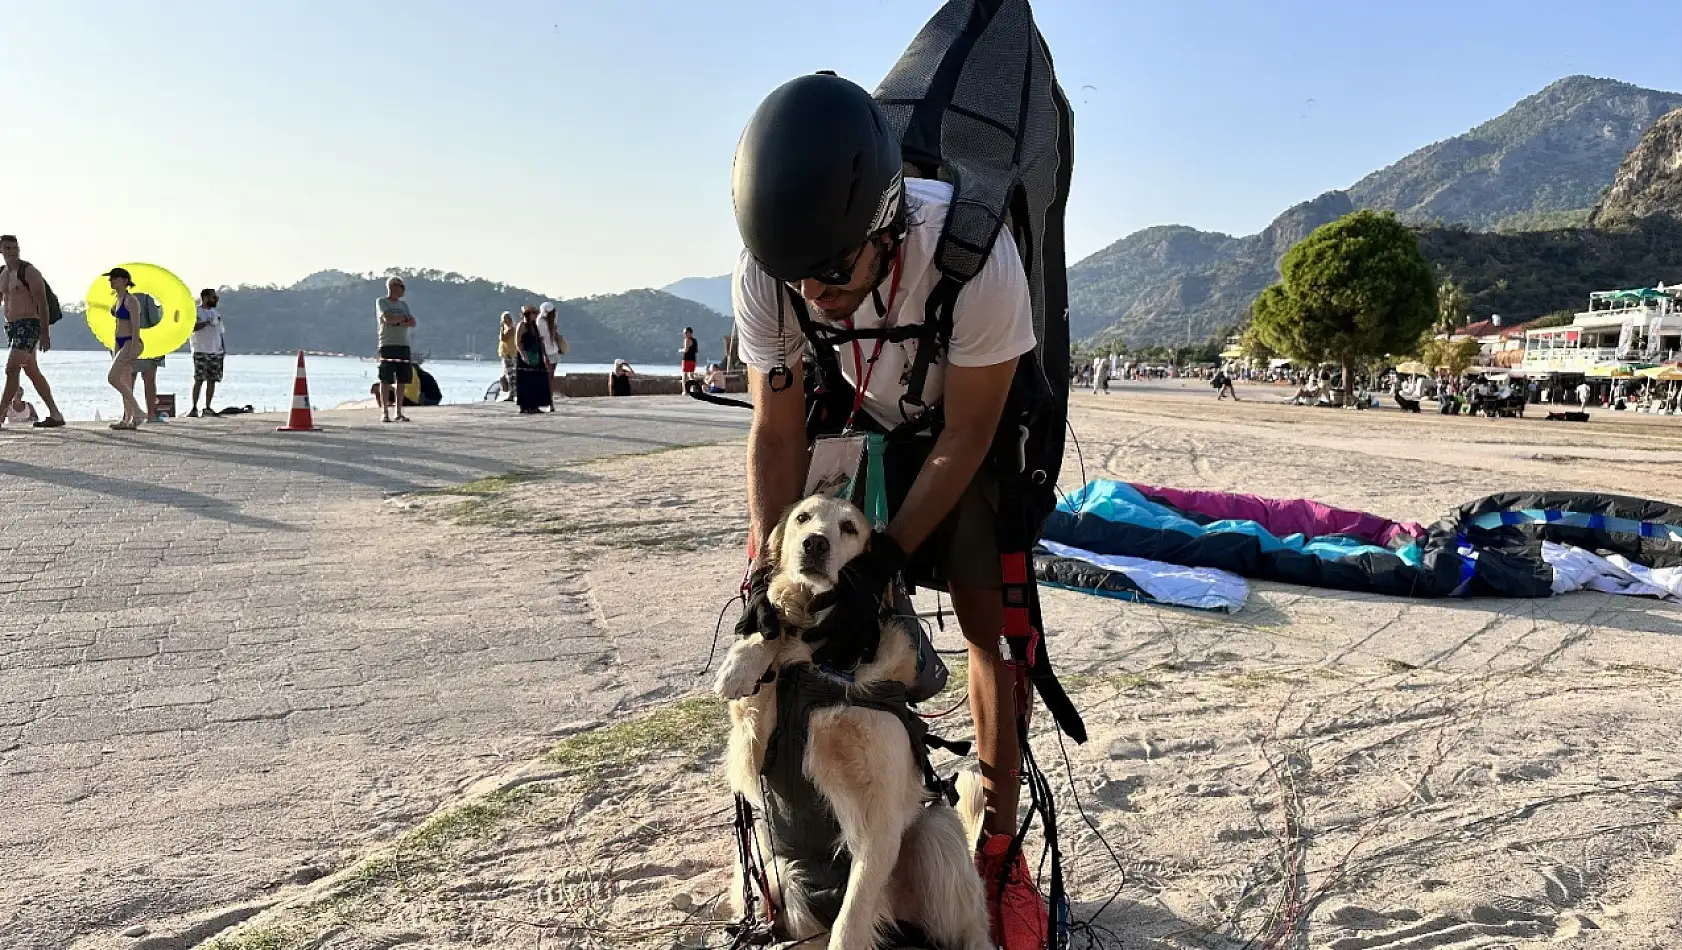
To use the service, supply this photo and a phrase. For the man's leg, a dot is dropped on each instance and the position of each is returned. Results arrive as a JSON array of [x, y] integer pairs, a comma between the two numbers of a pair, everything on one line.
[[380, 396], [149, 379], [992, 703], [198, 385], [397, 388], [14, 363], [32, 369], [209, 393]]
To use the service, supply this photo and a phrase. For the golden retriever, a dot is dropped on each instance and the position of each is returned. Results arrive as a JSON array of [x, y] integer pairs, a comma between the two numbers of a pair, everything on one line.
[[911, 862]]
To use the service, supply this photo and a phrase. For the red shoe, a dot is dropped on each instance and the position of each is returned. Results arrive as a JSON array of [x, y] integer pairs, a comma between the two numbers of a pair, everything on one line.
[[1017, 915]]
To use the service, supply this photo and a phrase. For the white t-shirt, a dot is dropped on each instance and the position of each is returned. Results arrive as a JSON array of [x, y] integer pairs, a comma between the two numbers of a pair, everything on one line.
[[551, 347], [209, 339], [992, 321]]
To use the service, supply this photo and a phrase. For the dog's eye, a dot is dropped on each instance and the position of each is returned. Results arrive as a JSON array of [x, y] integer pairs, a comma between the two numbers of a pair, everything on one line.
[[847, 527], [802, 518]]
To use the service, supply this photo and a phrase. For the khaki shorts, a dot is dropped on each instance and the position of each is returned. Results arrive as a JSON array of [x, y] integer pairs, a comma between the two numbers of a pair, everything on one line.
[[964, 549]]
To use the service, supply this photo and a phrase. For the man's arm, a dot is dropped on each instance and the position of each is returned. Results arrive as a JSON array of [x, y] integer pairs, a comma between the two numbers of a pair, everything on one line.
[[777, 453], [974, 398], [37, 288], [392, 317]]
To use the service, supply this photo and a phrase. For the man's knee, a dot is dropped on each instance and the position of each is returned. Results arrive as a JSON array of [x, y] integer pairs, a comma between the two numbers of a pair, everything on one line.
[[980, 614]]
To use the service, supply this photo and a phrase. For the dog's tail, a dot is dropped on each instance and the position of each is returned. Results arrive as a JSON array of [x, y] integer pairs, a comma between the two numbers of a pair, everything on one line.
[[970, 805]]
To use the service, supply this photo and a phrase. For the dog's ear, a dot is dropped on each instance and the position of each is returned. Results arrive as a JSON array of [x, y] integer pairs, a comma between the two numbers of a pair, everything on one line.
[[773, 558]]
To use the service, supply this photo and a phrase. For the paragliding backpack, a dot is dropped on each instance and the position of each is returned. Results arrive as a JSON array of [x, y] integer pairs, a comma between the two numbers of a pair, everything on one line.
[[55, 313], [975, 103]]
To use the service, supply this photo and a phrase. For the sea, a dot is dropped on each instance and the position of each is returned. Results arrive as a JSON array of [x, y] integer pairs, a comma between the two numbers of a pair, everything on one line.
[[265, 382]]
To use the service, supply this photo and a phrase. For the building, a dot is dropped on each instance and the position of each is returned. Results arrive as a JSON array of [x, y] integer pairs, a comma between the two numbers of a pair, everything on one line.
[[1499, 343], [1621, 326]]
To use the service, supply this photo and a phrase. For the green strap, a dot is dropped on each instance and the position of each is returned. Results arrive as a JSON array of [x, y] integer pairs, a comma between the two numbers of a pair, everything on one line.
[[876, 489]]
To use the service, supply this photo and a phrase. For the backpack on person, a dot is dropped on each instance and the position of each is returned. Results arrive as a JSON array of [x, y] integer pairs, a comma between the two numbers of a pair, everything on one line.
[[151, 314], [974, 102], [55, 313]]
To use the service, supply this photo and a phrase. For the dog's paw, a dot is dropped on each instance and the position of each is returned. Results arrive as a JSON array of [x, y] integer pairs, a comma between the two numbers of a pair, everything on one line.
[[744, 669]]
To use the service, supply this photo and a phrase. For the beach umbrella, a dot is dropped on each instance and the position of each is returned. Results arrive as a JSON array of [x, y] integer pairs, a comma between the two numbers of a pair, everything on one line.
[[1663, 373], [1616, 370], [1414, 368]]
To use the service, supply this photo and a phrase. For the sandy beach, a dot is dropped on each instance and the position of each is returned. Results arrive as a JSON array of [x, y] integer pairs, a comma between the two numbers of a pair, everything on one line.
[[1319, 770]]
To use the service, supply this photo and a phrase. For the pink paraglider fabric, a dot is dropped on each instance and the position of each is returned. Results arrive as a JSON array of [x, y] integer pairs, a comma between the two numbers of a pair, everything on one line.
[[1286, 516]]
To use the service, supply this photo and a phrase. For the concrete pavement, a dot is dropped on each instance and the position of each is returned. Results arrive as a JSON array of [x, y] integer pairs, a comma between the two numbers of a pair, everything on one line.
[[217, 648]]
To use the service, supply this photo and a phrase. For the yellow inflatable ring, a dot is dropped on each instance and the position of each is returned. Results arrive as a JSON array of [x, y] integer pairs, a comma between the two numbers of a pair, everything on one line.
[[176, 303]]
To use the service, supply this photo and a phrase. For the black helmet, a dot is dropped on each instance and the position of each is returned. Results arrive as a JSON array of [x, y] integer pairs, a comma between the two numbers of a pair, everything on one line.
[[817, 172]]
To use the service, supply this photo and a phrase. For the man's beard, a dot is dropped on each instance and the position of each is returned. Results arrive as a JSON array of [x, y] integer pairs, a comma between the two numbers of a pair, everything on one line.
[[880, 265]]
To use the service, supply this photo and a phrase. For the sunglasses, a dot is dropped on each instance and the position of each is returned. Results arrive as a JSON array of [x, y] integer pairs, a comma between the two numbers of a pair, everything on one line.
[[838, 273]]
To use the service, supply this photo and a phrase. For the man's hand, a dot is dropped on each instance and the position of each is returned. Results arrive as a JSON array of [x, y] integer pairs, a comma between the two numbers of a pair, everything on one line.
[[854, 624], [759, 615], [46, 339]]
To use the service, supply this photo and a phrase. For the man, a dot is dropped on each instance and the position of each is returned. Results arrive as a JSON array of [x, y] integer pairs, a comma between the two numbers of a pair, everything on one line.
[[1223, 386], [147, 369], [23, 294], [690, 354], [394, 320], [824, 213], [209, 351]]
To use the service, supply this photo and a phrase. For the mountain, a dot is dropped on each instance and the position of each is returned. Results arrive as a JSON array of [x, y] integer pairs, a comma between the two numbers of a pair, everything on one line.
[[1541, 164], [334, 311], [1177, 285], [1555, 151], [1649, 181], [711, 292]]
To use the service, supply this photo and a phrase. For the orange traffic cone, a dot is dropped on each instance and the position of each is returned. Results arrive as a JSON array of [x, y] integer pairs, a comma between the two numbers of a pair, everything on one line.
[[300, 420]]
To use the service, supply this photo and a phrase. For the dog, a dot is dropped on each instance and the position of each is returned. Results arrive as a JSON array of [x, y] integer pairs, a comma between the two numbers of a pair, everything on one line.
[[911, 862]]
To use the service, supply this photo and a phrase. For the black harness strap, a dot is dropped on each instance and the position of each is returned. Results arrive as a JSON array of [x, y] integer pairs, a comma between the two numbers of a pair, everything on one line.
[[695, 390]]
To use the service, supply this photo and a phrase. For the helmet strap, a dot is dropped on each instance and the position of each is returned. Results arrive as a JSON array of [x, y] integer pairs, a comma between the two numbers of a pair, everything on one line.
[[889, 242]]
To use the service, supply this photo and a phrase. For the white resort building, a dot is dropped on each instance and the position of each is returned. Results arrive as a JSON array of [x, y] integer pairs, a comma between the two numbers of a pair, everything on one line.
[[1620, 326]]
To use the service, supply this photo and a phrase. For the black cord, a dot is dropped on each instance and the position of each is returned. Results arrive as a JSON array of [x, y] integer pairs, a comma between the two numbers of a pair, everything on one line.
[[713, 650], [1089, 925], [1080, 454]]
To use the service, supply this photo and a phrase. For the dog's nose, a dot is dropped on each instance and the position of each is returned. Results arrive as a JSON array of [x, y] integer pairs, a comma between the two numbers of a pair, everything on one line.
[[815, 545]]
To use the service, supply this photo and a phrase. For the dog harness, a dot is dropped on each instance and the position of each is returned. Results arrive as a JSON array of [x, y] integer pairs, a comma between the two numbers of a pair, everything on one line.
[[803, 830]]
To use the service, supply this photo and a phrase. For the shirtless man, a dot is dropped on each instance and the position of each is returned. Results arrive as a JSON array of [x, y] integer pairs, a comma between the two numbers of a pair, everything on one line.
[[27, 328]]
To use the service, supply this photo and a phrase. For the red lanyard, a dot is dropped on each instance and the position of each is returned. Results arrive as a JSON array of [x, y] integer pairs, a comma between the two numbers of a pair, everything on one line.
[[865, 370]]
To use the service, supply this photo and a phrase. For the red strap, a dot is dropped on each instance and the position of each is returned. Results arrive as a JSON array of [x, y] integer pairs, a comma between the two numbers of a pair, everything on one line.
[[865, 370]]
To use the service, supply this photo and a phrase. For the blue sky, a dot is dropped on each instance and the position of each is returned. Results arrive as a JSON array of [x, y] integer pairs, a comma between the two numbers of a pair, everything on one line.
[[584, 147]]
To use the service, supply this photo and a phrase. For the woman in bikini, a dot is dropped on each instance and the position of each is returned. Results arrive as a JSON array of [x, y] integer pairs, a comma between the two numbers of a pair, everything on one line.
[[127, 311]]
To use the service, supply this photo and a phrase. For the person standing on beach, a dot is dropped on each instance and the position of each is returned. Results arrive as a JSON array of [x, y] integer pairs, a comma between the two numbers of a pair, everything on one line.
[[507, 350], [23, 294], [554, 345], [148, 371], [210, 349], [690, 354], [531, 368], [394, 322], [126, 310]]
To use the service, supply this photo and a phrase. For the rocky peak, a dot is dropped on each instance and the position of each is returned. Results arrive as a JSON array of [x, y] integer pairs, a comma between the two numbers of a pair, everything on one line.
[[1299, 221], [1649, 181]]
